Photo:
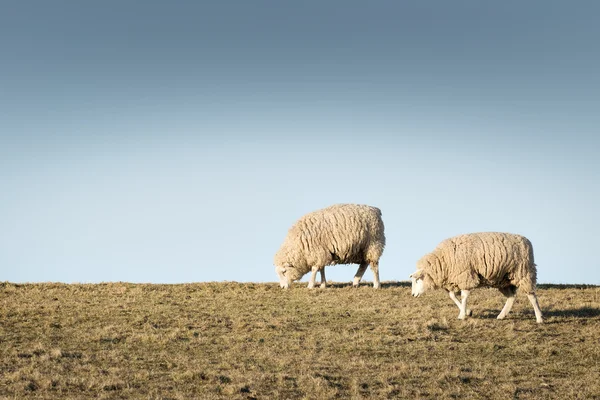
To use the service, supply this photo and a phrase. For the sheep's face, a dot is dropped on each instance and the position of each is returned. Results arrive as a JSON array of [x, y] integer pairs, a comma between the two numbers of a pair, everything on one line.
[[287, 274], [418, 283], [283, 281]]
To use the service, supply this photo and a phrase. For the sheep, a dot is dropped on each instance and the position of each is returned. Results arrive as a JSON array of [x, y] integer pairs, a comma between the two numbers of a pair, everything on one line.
[[338, 234], [485, 259]]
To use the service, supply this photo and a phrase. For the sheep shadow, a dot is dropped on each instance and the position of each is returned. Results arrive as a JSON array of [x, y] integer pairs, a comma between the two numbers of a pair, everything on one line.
[[582, 312]]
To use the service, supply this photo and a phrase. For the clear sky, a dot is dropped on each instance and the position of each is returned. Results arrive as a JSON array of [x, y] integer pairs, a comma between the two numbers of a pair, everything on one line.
[[177, 141]]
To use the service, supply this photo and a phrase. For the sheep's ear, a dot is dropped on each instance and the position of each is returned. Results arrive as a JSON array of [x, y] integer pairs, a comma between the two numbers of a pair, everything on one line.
[[417, 275]]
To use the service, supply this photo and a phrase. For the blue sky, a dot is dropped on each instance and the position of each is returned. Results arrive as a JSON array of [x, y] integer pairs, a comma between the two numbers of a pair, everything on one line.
[[178, 141]]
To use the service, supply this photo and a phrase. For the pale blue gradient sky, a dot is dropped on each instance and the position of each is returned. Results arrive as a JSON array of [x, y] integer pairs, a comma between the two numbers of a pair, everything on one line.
[[178, 141]]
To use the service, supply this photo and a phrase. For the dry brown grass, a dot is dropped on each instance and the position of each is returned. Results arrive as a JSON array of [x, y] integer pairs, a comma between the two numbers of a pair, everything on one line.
[[235, 340]]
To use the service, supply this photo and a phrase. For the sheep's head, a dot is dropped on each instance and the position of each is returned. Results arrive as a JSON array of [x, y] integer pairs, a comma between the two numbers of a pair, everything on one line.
[[418, 283], [283, 282], [421, 279], [287, 274]]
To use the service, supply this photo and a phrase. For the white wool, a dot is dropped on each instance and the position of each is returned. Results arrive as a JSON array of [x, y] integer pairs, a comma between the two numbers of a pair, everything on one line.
[[489, 259], [339, 234]]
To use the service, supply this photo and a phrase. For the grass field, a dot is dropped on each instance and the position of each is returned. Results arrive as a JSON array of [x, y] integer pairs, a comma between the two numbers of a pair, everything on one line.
[[256, 341]]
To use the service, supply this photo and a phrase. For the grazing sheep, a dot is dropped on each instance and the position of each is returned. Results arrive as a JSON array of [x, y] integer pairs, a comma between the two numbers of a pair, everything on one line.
[[487, 259], [339, 234]]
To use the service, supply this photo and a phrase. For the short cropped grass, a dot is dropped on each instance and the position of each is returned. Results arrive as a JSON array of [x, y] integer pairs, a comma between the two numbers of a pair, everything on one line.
[[256, 341]]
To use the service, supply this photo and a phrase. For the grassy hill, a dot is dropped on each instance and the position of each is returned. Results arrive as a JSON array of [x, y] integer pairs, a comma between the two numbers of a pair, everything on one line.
[[256, 341]]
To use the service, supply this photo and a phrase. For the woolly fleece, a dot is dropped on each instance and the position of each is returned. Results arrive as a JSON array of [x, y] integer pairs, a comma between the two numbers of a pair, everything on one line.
[[339, 234], [491, 259]]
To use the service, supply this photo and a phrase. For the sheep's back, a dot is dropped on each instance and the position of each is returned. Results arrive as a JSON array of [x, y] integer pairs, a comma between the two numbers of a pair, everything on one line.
[[340, 233], [488, 259]]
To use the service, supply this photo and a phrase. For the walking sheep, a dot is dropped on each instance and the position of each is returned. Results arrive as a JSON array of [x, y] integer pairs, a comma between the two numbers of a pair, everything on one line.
[[487, 259], [339, 234]]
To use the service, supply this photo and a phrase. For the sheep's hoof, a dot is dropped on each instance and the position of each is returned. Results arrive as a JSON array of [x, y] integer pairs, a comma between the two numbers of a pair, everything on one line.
[[469, 312], [323, 285]]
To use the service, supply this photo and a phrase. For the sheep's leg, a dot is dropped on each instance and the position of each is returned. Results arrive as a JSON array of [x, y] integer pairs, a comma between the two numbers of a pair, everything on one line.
[[323, 280], [454, 299], [313, 277], [359, 273], [464, 294], [510, 293], [375, 268], [536, 307], [458, 304]]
